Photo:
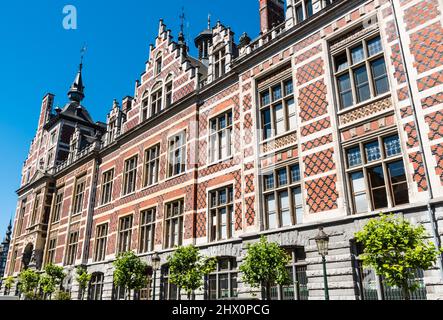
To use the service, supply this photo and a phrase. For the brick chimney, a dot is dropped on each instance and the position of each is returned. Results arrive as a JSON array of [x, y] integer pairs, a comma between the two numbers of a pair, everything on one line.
[[272, 13]]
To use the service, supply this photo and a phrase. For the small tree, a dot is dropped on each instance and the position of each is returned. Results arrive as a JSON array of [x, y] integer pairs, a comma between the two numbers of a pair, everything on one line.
[[29, 280], [51, 279], [264, 265], [395, 249], [83, 278], [187, 267], [130, 272], [9, 282]]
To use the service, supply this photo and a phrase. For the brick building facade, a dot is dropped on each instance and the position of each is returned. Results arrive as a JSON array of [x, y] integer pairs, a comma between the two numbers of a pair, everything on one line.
[[331, 116]]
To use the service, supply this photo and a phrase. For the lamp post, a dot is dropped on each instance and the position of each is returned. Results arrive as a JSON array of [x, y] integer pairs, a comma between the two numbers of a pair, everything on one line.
[[155, 266], [322, 240]]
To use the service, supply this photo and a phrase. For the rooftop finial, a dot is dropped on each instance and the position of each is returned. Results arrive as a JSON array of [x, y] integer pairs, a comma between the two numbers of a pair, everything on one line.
[[182, 20], [76, 92], [209, 21], [82, 54]]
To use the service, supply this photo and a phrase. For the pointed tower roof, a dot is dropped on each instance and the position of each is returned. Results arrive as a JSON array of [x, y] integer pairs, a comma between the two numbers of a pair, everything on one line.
[[9, 232], [76, 92]]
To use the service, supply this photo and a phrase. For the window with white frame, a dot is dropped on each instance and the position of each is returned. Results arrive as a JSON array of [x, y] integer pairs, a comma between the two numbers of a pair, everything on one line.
[[222, 283], [101, 239], [177, 154], [174, 224], [283, 200], [50, 255], [58, 205], [221, 214], [277, 109], [96, 286], [152, 161], [125, 234], [303, 10], [130, 175], [79, 195], [158, 64], [360, 71], [168, 290], [147, 230], [156, 102], [107, 182], [376, 173], [145, 107], [71, 255], [219, 63], [168, 96], [220, 137], [36, 208]]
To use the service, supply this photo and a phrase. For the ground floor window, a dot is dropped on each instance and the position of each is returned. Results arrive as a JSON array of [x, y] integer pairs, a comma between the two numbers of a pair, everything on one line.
[[372, 287], [118, 292], [297, 289], [168, 291], [222, 284], [96, 286]]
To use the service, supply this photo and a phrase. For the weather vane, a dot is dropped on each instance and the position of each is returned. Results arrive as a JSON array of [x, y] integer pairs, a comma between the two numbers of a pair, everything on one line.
[[182, 19], [82, 53]]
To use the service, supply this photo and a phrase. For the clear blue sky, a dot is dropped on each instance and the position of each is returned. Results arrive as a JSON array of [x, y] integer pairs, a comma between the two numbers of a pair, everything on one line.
[[38, 56]]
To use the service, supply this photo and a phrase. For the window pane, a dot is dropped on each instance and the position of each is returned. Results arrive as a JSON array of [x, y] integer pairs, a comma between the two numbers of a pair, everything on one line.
[[344, 87], [400, 194], [292, 114], [397, 172], [267, 128], [269, 181], [376, 177], [377, 181], [374, 46], [354, 157], [362, 84], [341, 62], [285, 211], [372, 151], [279, 119], [265, 99], [298, 203], [299, 14], [276, 93], [392, 146], [295, 173], [358, 182], [308, 5], [289, 88], [357, 54], [270, 205], [380, 78], [359, 187], [223, 286], [282, 177]]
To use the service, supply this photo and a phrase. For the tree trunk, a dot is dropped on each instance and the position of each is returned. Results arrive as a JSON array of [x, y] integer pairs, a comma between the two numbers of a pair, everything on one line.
[[268, 291], [406, 293]]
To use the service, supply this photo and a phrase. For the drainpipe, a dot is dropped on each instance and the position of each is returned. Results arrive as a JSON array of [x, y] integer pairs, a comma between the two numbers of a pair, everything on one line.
[[430, 209]]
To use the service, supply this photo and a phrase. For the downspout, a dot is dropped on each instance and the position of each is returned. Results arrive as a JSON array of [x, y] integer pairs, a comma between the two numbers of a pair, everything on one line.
[[430, 209]]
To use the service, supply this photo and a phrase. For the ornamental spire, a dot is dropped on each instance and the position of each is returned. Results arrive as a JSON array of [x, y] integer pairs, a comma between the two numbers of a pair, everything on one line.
[[76, 92]]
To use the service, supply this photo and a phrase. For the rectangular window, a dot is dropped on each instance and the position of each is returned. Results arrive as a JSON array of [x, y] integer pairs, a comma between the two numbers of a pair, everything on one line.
[[222, 283], [18, 229], [360, 72], [107, 182], [125, 234], [58, 205], [147, 231], [71, 255], [221, 213], [158, 65], [220, 137], [51, 251], [177, 154], [377, 180], [145, 109], [277, 109], [130, 175], [101, 239], [152, 161], [283, 201], [156, 102], [219, 63], [36, 208], [174, 224], [168, 95], [79, 195]]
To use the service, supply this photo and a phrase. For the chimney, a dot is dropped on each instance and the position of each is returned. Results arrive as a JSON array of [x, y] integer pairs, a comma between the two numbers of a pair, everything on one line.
[[272, 13]]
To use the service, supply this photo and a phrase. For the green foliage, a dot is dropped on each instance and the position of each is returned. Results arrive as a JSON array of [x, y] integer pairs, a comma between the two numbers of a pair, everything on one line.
[[29, 280], [265, 264], [395, 249], [62, 295], [187, 267], [130, 272], [9, 282], [52, 278], [83, 278]]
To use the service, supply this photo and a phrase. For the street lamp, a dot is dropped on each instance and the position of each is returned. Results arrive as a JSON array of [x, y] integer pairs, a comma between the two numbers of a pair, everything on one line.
[[322, 241], [155, 266]]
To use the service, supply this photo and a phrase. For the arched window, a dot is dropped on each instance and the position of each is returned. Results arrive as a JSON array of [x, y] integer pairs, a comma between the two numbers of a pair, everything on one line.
[[156, 99], [222, 283], [145, 106], [96, 286], [158, 64]]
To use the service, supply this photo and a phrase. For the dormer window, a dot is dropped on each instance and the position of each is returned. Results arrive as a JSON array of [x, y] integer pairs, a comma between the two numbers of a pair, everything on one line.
[[168, 101], [303, 10], [158, 65], [219, 63]]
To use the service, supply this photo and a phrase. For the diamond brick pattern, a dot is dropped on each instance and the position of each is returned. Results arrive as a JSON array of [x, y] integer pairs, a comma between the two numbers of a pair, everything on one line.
[[406, 112], [322, 194], [391, 31], [158, 233], [201, 225], [316, 127], [247, 102], [430, 81], [189, 226], [306, 55], [437, 151], [435, 122], [397, 62], [310, 71], [419, 171], [427, 47], [311, 144], [238, 217], [411, 132], [432, 100], [312, 101], [184, 91], [237, 185], [249, 183], [247, 86], [403, 94], [250, 211], [308, 41], [319, 162], [201, 195], [420, 13]]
